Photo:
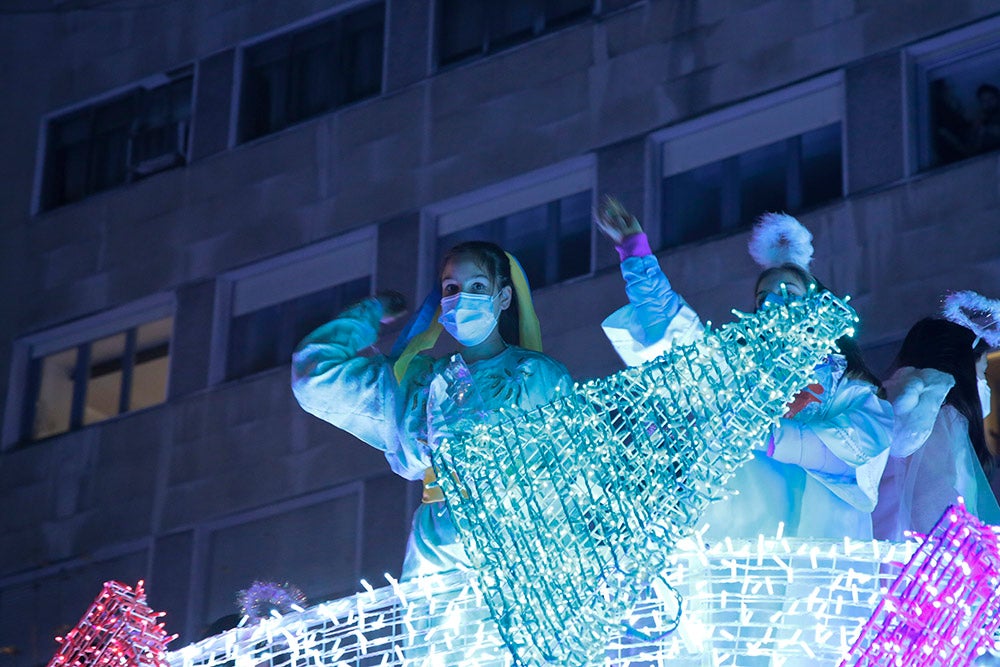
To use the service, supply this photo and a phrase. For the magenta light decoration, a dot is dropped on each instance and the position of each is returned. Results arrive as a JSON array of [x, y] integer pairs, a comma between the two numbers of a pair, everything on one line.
[[944, 607]]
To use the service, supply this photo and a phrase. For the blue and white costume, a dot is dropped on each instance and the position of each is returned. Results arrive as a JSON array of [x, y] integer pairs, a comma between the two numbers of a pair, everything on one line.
[[334, 379], [932, 460], [821, 478]]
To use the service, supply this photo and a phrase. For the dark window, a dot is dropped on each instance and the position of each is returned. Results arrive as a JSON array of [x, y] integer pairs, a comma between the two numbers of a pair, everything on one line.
[[265, 338], [551, 241], [961, 114], [309, 72], [470, 28], [98, 379], [116, 142], [821, 166], [794, 174]]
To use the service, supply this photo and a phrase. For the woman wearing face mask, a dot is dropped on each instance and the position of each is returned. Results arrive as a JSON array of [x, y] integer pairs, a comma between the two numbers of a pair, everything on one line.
[[938, 452], [485, 306], [818, 473]]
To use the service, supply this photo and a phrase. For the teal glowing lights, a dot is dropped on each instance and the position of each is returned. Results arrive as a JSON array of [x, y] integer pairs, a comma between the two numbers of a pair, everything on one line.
[[569, 512]]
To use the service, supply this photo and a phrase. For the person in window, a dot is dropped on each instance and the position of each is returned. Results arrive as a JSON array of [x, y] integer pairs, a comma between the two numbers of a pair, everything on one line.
[[818, 472], [986, 128], [938, 454], [484, 302]]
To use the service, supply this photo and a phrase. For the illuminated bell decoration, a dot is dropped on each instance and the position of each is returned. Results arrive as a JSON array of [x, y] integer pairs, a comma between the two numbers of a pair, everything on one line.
[[118, 629], [944, 607], [569, 512]]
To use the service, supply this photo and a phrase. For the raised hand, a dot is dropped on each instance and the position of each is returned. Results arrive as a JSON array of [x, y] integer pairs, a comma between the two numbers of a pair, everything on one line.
[[614, 221], [393, 305]]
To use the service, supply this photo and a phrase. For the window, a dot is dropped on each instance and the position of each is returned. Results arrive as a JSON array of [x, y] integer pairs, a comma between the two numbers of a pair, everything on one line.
[[120, 140], [271, 306], [783, 153], [307, 72], [543, 219], [472, 28], [957, 89], [88, 373], [265, 338]]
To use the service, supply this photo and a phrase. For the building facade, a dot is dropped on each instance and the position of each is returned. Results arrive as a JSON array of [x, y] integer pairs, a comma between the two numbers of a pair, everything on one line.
[[192, 185]]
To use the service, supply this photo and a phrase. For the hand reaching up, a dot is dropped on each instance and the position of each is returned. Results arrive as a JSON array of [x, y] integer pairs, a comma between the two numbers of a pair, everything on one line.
[[614, 221], [393, 306]]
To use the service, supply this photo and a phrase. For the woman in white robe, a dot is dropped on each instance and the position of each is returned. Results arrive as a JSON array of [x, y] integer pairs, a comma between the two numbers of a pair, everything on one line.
[[938, 452], [818, 473], [337, 377]]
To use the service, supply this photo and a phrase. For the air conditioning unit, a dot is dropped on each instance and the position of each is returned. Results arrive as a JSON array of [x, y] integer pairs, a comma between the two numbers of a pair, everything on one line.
[[158, 148]]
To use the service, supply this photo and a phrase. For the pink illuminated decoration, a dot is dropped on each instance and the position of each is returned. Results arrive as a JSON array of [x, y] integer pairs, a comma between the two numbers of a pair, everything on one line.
[[944, 607], [118, 629]]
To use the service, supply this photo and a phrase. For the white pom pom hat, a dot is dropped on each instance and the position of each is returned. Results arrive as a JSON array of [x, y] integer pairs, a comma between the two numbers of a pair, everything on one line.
[[778, 239]]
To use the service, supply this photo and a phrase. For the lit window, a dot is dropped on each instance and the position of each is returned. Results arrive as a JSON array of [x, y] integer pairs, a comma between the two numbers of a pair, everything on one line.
[[543, 219], [302, 74], [471, 28], [274, 304], [781, 153], [97, 378], [958, 95], [100, 146]]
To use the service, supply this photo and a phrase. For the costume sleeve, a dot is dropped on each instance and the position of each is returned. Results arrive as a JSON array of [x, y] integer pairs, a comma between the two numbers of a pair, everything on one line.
[[950, 469], [917, 395], [845, 446], [939, 472], [655, 318], [333, 382]]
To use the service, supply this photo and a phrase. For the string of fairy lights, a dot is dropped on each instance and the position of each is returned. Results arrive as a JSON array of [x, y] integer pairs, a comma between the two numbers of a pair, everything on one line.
[[579, 520], [569, 512], [778, 598]]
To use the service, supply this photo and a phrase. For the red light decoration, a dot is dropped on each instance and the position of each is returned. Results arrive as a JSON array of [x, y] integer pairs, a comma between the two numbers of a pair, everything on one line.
[[119, 629]]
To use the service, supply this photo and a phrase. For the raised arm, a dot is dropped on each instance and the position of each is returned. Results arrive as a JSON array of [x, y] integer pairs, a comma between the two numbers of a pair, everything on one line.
[[656, 317], [332, 380]]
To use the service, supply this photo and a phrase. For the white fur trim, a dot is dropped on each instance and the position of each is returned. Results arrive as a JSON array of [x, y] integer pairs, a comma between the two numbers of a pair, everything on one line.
[[976, 313], [778, 239], [917, 395]]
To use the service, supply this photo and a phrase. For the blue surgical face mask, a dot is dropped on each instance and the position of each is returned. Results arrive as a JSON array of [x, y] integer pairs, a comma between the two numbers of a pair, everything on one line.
[[777, 299], [984, 396], [468, 317]]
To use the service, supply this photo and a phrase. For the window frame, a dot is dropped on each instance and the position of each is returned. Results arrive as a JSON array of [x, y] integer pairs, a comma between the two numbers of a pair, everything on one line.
[[921, 57], [504, 198], [748, 125], [287, 30], [204, 533], [437, 30], [287, 276], [56, 339], [152, 82]]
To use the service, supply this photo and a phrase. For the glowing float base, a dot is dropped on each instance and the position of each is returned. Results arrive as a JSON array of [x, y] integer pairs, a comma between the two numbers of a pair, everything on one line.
[[776, 602]]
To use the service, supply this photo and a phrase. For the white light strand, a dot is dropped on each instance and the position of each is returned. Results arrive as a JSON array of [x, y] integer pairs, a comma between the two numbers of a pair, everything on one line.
[[728, 612]]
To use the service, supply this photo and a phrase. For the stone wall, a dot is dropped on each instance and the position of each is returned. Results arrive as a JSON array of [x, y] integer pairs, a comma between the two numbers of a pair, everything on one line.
[[228, 481]]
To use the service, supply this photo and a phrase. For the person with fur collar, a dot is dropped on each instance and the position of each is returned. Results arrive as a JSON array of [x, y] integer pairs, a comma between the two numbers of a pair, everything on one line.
[[818, 473], [940, 397]]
